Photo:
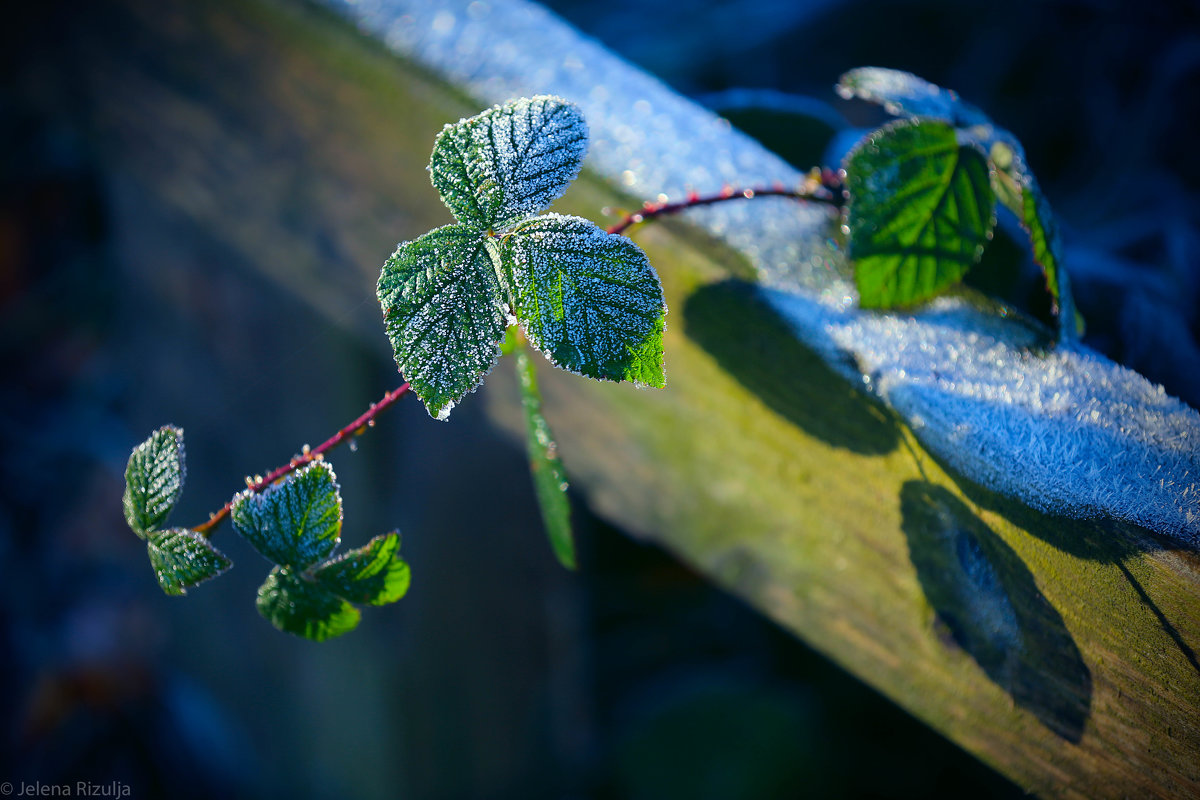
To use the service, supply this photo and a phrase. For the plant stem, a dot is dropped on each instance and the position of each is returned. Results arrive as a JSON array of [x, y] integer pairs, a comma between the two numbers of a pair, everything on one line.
[[821, 186], [364, 420]]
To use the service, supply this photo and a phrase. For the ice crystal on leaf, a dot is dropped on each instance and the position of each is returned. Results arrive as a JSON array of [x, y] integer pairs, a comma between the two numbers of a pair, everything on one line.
[[297, 524], [153, 483], [1012, 183], [509, 162], [588, 299]]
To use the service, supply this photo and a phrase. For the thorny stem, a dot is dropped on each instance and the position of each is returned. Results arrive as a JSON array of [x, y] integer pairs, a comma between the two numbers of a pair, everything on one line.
[[364, 420], [820, 186]]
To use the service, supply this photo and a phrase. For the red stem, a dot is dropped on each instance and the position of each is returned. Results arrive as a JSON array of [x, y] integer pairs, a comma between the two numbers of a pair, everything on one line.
[[353, 429], [823, 187]]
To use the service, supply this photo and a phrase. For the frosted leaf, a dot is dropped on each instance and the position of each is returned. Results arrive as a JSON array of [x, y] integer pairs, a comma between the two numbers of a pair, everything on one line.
[[679, 144], [509, 162], [587, 299], [298, 605], [154, 480], [904, 94], [549, 479], [1038, 221], [921, 209], [296, 522], [445, 314], [373, 574], [183, 558]]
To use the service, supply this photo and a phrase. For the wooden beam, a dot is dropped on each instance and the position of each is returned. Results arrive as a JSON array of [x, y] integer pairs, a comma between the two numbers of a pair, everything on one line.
[[1061, 652]]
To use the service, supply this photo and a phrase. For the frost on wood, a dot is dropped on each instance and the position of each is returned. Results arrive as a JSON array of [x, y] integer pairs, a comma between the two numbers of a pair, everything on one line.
[[444, 312], [509, 162], [587, 299], [1108, 422], [296, 522], [154, 480]]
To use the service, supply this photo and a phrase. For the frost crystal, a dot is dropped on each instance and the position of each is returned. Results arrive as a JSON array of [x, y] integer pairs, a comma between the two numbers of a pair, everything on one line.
[[1069, 432]]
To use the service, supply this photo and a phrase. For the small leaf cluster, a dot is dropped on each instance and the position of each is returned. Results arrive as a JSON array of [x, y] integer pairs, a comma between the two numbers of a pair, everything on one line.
[[297, 524], [154, 479], [587, 299], [923, 192]]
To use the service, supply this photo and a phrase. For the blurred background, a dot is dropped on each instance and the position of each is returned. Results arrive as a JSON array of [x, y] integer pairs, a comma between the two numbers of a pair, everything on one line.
[[193, 208]]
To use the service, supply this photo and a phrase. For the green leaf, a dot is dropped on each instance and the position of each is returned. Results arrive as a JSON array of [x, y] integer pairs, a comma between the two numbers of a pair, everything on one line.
[[1018, 190], [445, 314], [296, 604], [509, 162], [1038, 221], [296, 522], [903, 94], [154, 480], [549, 480], [373, 573], [587, 299], [183, 558], [921, 209]]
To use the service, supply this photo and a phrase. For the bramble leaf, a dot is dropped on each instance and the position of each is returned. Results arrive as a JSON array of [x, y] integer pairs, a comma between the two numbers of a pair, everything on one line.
[[1013, 185], [1038, 221], [509, 162], [295, 604], [373, 573], [921, 208], [587, 299], [183, 558], [904, 94], [296, 522], [445, 314], [154, 480], [549, 480]]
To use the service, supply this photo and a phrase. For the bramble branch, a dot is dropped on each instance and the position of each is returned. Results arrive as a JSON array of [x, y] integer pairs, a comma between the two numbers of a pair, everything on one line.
[[820, 186], [364, 421]]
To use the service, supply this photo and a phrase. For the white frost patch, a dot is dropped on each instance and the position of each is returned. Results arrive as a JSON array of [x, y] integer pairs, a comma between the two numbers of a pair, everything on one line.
[[1066, 431]]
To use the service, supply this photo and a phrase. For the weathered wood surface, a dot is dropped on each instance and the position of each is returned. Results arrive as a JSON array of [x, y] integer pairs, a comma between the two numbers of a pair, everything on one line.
[[1061, 652]]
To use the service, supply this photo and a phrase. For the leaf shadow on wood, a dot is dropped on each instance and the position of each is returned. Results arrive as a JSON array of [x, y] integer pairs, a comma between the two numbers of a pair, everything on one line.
[[988, 604], [750, 342], [1106, 540]]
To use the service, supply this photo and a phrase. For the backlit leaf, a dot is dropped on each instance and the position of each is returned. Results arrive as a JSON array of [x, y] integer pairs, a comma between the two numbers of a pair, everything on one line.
[[1038, 220], [587, 299], [296, 522], [921, 209], [373, 573], [904, 94], [445, 314], [549, 480], [296, 604], [183, 558], [154, 480], [509, 162]]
